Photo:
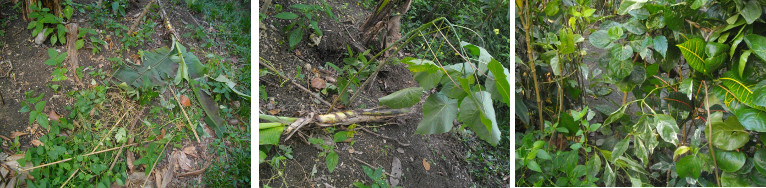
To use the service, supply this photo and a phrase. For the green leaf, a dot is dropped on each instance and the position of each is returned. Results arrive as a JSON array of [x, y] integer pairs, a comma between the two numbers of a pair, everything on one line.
[[270, 136], [729, 179], [752, 119], [593, 166], [656, 21], [222, 78], [693, 51], [566, 38], [295, 37], [438, 114], [552, 8], [340, 136], [698, 3], [628, 5], [689, 166], [757, 45], [680, 151], [679, 100], [615, 33], [478, 114], [79, 44], [189, 66], [568, 122], [331, 161], [502, 81], [261, 156], [619, 70], [600, 39], [122, 135], [667, 128], [661, 45], [404, 98], [619, 149], [729, 161], [610, 178], [751, 11], [622, 53], [286, 15], [484, 57], [636, 27], [156, 67], [716, 55], [521, 110], [743, 62], [532, 165], [759, 159], [614, 116], [728, 135]]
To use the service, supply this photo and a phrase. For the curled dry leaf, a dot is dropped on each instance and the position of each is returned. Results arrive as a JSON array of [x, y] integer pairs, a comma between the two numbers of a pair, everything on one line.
[[162, 134], [275, 111], [130, 158], [191, 150], [184, 162], [53, 115], [37, 143], [426, 165], [185, 101], [158, 178], [318, 83], [15, 134]]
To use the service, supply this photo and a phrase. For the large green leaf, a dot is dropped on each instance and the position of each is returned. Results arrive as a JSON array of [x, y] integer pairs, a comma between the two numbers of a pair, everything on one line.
[[636, 77], [728, 135], [566, 38], [679, 100], [610, 178], [757, 45], [615, 32], [752, 119], [404, 98], [619, 149], [502, 81], [689, 166], [751, 11], [693, 51], [621, 53], [478, 114], [155, 69], [759, 159], [568, 122], [189, 66], [438, 114], [636, 27], [483, 57], [521, 110], [667, 128], [331, 161], [600, 39], [295, 37], [729, 161], [270, 136], [743, 62], [286, 15], [616, 115], [740, 90], [593, 166], [618, 70]]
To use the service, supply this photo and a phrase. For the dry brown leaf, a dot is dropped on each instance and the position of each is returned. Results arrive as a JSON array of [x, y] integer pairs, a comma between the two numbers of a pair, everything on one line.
[[53, 115], [184, 162], [191, 150], [426, 165], [131, 157], [318, 83], [158, 178], [185, 101], [167, 174], [15, 134], [275, 111], [37, 143]]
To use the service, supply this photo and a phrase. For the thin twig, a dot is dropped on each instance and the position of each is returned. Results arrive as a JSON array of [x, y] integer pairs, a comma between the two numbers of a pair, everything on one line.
[[70, 177], [185, 115], [379, 135], [155, 162], [135, 23], [357, 160], [196, 172], [69, 159]]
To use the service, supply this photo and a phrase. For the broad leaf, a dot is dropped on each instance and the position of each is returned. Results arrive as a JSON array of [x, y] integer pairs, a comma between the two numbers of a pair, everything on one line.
[[667, 128], [716, 55], [269, 136], [759, 159], [621, 53], [477, 113], [689, 166], [483, 56], [728, 135], [404, 98], [636, 27], [729, 161], [693, 51], [614, 116], [286, 15], [661, 45], [521, 110], [502, 81], [757, 45], [568, 122], [752, 119], [438, 114], [295, 37], [751, 11], [619, 149], [615, 32], [156, 69], [610, 178], [679, 100], [331, 161], [680, 151], [620, 69], [628, 5], [600, 39]]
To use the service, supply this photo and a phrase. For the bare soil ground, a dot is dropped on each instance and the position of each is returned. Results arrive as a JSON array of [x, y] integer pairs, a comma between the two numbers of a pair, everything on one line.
[[446, 153]]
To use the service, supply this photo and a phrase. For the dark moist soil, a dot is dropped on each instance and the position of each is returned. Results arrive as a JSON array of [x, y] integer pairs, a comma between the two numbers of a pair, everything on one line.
[[29, 73], [445, 152]]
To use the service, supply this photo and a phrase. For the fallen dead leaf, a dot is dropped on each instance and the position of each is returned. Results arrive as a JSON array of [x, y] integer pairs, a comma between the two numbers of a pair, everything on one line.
[[318, 83], [53, 115], [15, 134], [191, 150], [184, 162], [162, 134], [131, 157], [158, 178], [351, 150], [37, 143], [426, 165], [185, 101], [275, 111], [167, 174]]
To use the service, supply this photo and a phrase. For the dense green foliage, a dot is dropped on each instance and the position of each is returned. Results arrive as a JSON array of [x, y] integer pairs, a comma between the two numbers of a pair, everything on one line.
[[698, 93]]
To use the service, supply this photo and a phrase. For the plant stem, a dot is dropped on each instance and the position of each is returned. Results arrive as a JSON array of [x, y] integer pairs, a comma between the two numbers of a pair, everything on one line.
[[710, 136], [530, 58]]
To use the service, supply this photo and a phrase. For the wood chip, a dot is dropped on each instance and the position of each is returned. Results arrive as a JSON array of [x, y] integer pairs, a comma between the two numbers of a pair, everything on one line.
[[426, 165]]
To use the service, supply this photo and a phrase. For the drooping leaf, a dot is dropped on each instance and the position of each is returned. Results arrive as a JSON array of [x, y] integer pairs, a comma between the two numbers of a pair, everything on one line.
[[689, 166], [270, 136], [521, 110], [661, 45], [610, 178], [502, 80], [729, 161], [210, 107], [286, 15], [569, 123], [156, 69], [757, 45], [715, 54], [483, 56], [619, 149], [438, 114], [667, 128], [478, 114], [404, 98], [629, 5], [189, 66], [614, 116], [751, 11], [759, 159]]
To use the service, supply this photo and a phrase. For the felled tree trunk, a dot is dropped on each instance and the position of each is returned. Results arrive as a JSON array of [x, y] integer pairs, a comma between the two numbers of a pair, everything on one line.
[[383, 27], [53, 5]]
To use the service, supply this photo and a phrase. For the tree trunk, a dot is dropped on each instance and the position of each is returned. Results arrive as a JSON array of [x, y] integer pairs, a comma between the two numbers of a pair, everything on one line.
[[380, 29], [53, 5]]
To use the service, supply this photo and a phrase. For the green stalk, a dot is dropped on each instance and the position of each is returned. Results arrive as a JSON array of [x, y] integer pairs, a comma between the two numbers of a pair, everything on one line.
[[262, 126], [280, 119]]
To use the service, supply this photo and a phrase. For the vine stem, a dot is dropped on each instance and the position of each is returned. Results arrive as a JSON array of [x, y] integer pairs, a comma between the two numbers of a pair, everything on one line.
[[710, 136]]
